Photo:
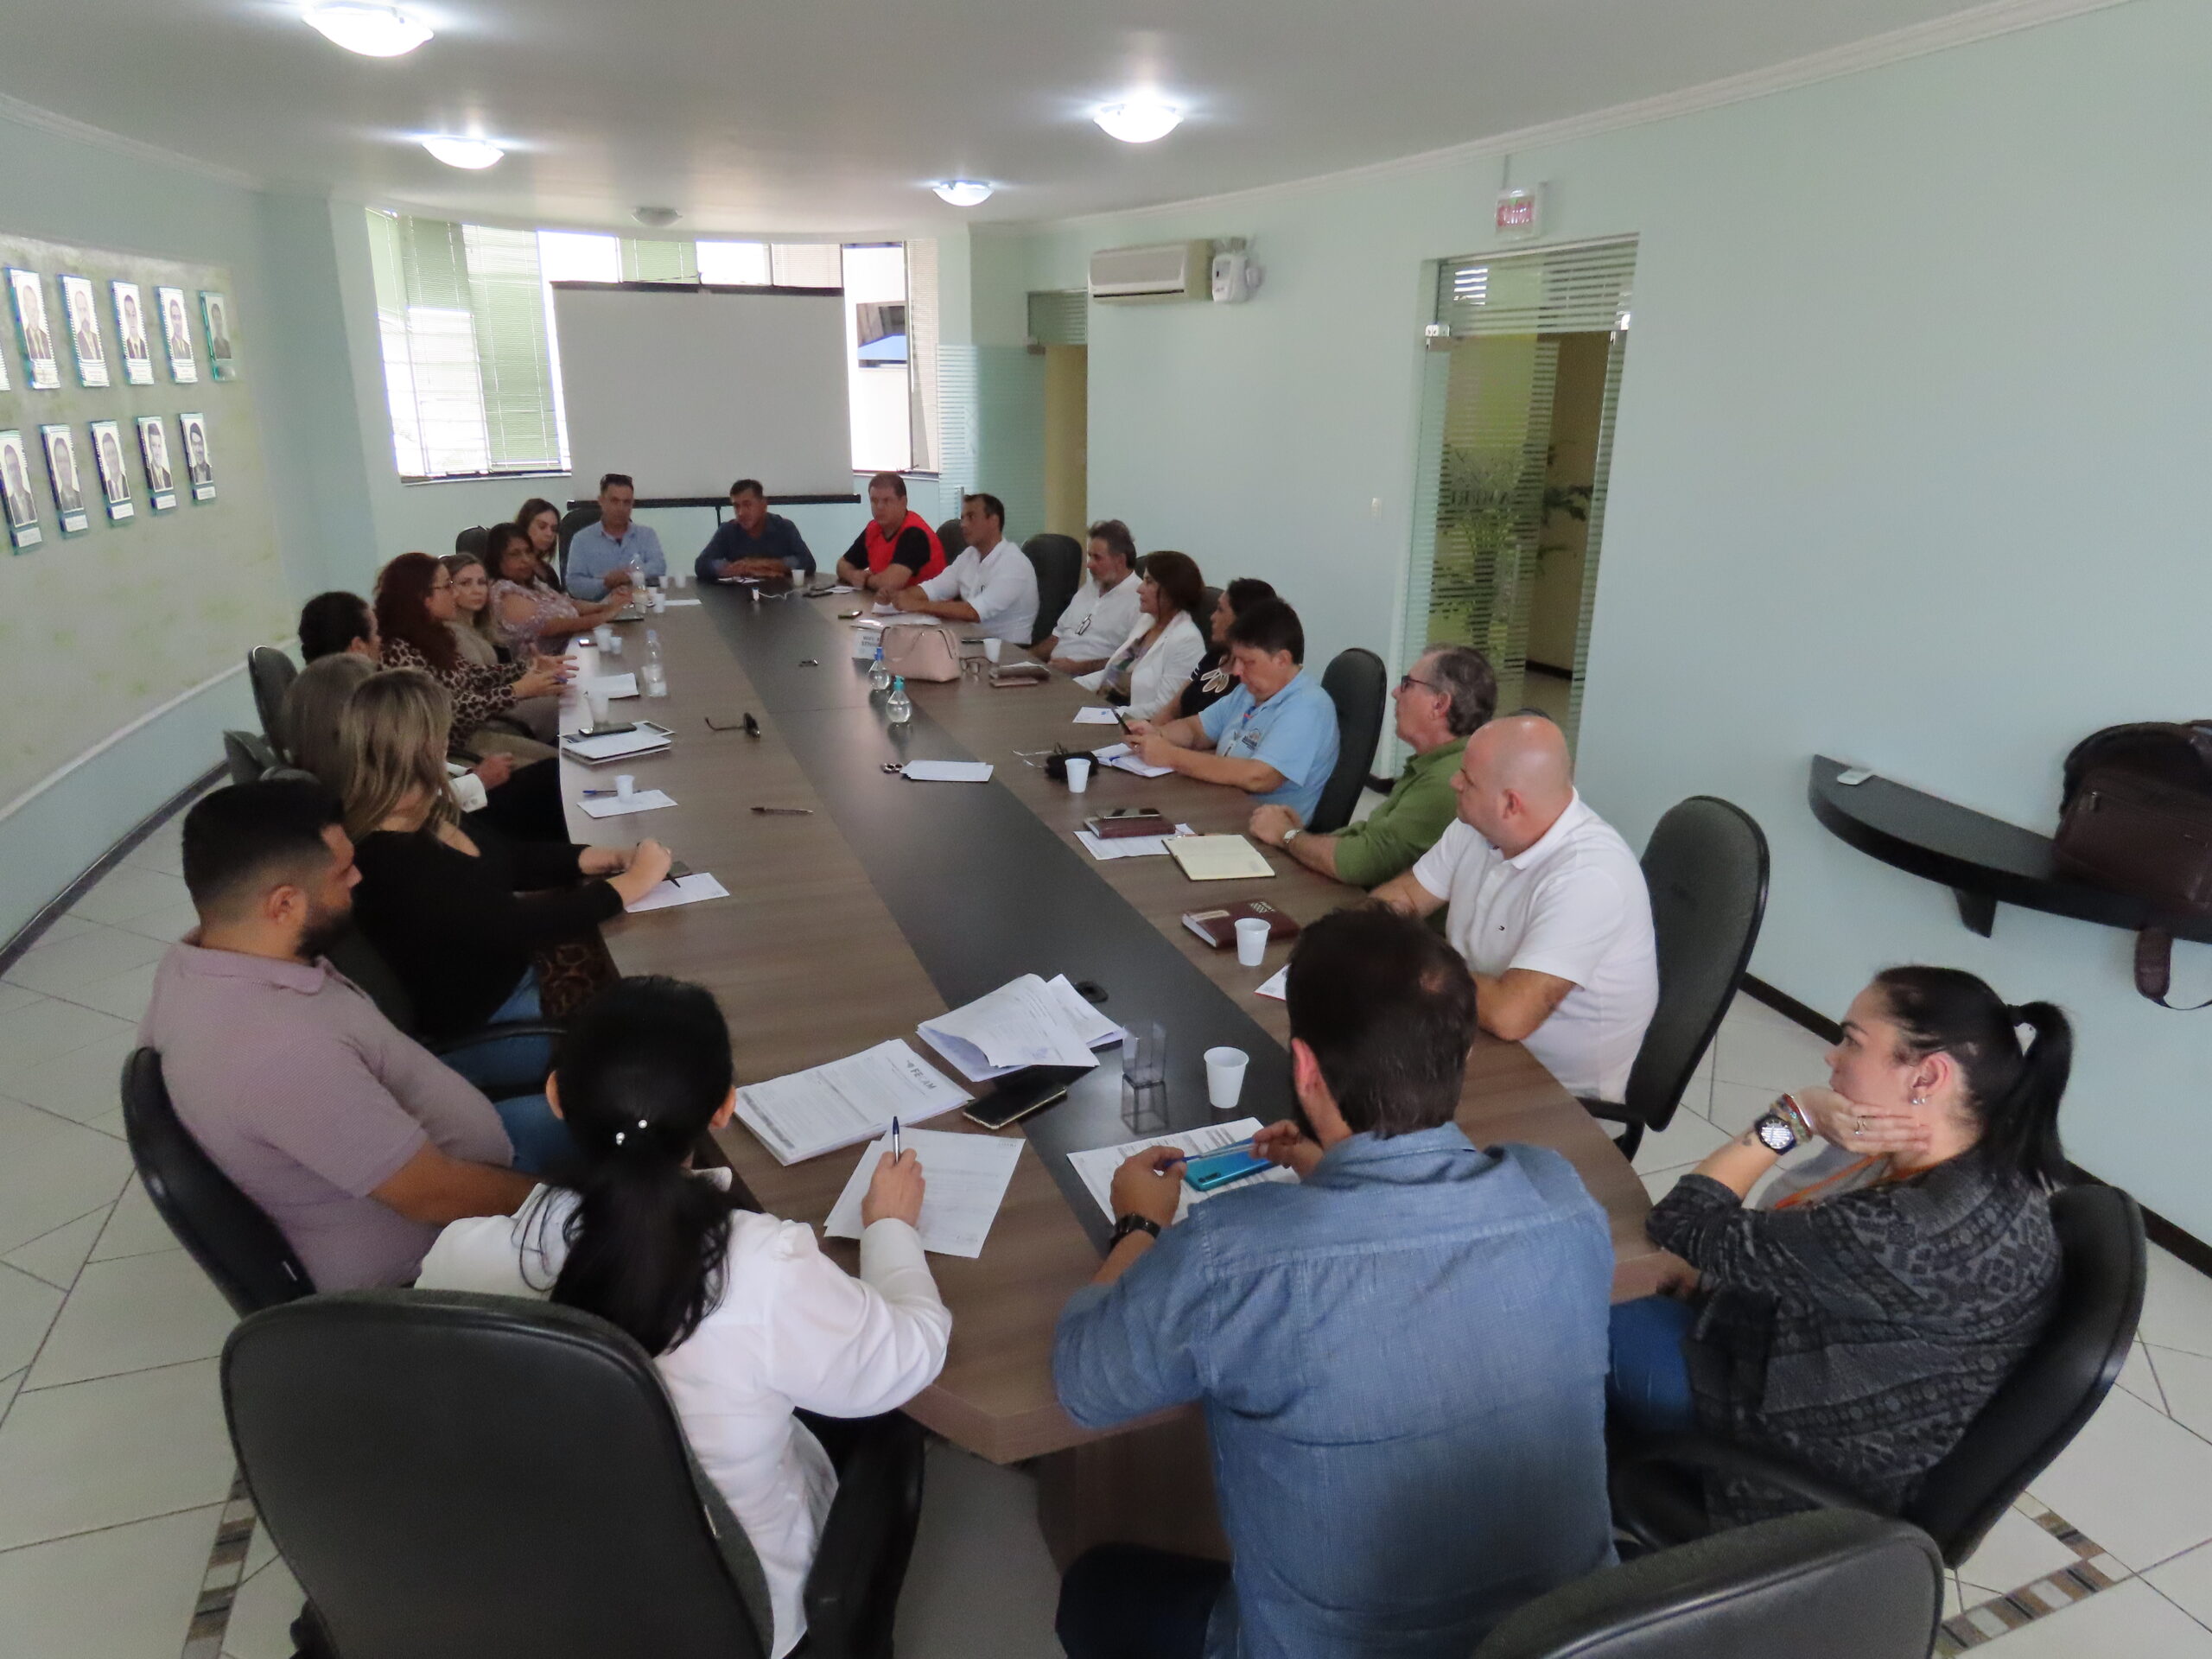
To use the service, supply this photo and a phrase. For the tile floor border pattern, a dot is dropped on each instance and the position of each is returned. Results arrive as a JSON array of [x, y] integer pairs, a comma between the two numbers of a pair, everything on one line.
[[219, 1589], [1986, 1621]]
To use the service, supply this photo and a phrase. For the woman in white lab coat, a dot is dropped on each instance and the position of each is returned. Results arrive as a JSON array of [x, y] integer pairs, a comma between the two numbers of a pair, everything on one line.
[[746, 1317], [1150, 669]]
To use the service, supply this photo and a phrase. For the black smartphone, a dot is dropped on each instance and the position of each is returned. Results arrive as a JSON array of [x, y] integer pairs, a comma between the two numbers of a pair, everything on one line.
[[1023, 1094]]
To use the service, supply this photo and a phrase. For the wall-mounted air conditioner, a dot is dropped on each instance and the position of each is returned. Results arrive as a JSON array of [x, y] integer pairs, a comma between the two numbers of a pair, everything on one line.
[[1165, 270]]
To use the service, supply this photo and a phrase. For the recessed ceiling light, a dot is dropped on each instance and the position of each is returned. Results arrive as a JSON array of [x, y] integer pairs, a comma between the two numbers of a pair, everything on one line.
[[373, 31], [471, 153], [962, 193], [1140, 121]]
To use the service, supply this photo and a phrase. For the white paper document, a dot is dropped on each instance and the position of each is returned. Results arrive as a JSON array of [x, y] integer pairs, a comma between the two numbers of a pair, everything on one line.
[[1276, 985], [1122, 756], [1026, 1021], [673, 604], [964, 1177], [680, 890], [618, 686], [950, 771], [1090, 682], [1095, 1169], [647, 739], [614, 806], [1096, 717], [846, 1102], [1129, 846]]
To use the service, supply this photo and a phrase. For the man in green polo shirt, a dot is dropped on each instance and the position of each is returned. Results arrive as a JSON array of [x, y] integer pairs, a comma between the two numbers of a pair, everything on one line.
[[1445, 695]]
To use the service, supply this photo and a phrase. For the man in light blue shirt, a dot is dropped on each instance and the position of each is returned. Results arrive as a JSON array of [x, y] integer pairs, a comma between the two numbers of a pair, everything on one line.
[[1274, 737], [1402, 1356], [614, 554]]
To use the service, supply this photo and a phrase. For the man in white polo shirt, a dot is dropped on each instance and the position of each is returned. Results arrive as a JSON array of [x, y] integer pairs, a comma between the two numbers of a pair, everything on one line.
[[992, 584], [1547, 906]]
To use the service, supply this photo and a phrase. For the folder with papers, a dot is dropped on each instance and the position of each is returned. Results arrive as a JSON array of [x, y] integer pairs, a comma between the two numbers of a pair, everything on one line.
[[809, 1113], [1026, 1021]]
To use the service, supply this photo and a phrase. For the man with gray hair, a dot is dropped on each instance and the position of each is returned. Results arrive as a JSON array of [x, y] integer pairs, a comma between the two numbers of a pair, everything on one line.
[[1441, 699]]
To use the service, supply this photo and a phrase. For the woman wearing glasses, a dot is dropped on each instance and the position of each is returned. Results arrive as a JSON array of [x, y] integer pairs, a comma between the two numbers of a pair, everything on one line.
[[415, 605]]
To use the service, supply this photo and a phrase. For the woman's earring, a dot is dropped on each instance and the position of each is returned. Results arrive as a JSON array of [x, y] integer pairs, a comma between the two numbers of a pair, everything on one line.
[[1920, 1100]]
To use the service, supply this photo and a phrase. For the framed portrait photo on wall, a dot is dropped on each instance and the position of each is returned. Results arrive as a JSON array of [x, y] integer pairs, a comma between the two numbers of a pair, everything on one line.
[[215, 313], [16, 498], [114, 476], [42, 369], [132, 346], [153, 452], [176, 336], [199, 463], [80, 309], [67, 478]]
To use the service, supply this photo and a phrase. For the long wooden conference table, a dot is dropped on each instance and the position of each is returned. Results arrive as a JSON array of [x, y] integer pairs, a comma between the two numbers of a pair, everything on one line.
[[894, 900]]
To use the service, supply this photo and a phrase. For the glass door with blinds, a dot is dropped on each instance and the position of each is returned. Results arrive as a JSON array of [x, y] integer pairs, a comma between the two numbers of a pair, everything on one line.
[[1522, 378]]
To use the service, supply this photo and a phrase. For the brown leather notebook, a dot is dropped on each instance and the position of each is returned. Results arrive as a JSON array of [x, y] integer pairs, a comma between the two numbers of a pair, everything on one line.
[[1119, 826], [1218, 927]]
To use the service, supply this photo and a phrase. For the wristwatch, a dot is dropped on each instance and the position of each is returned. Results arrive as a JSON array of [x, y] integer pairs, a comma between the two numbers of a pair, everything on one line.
[[1293, 834], [1777, 1133], [1124, 1225]]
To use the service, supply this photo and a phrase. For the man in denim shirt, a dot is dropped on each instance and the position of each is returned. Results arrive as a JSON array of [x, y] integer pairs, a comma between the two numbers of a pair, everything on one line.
[[1401, 1357]]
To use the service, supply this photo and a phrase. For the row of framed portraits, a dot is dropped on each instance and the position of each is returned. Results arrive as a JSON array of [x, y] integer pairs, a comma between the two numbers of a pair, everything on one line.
[[66, 476], [132, 363]]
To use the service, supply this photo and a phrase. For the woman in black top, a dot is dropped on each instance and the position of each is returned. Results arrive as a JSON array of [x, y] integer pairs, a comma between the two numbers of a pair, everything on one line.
[[460, 913], [1859, 1319], [1209, 681]]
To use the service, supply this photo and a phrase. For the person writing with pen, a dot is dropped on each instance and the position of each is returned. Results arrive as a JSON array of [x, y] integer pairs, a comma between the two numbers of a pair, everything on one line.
[[1469, 1470]]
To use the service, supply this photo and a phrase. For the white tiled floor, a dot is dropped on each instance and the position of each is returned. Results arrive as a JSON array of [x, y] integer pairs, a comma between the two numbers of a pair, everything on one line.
[[114, 1466]]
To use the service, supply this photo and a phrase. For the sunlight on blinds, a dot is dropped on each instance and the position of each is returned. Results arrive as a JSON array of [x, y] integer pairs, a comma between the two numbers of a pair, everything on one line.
[[735, 264]]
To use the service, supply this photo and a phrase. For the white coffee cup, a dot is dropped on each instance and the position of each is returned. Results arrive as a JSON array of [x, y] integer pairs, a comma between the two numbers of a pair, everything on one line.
[[626, 785], [1078, 774], [1224, 1077], [603, 637], [1251, 941], [596, 698], [992, 647]]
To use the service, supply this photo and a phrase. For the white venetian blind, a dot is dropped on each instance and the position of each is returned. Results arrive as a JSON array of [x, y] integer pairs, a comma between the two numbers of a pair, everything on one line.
[[1555, 291]]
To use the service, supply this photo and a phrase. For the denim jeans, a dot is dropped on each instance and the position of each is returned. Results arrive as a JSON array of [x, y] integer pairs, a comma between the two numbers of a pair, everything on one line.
[[1649, 1386], [541, 1140]]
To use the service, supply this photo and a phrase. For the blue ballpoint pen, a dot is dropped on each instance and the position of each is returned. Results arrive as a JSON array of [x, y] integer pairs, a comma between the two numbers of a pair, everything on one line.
[[894, 1140]]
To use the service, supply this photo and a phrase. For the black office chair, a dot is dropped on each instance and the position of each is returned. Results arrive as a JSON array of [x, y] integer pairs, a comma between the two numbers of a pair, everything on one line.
[[472, 541], [225, 1231], [249, 756], [952, 539], [270, 673], [1706, 866], [460, 1477], [1834, 1585], [1058, 561], [351, 955], [1658, 1496], [572, 521], [1359, 685]]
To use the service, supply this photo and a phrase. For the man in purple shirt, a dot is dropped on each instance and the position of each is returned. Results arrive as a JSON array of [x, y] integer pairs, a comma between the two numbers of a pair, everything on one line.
[[356, 1140]]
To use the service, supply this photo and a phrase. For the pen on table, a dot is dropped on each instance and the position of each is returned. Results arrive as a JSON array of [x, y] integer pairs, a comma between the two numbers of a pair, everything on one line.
[[597, 794], [785, 811], [894, 1140]]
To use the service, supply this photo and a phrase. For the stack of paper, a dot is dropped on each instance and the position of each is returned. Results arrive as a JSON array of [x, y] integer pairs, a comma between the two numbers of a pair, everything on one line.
[[949, 771], [1130, 846], [673, 604], [1096, 717], [617, 685], [680, 890], [644, 738], [845, 1101], [964, 1179], [1095, 1168], [614, 806], [1026, 1021], [1122, 756]]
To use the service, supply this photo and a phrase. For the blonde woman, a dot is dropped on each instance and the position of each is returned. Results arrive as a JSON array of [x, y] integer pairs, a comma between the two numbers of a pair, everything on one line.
[[471, 624], [460, 913]]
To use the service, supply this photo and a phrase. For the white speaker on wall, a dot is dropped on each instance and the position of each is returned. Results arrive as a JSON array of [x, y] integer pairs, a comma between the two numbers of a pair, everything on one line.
[[1236, 278]]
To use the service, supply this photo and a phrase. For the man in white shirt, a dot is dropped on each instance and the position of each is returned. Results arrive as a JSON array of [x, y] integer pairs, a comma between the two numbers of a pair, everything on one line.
[[1547, 906], [1104, 610], [992, 584]]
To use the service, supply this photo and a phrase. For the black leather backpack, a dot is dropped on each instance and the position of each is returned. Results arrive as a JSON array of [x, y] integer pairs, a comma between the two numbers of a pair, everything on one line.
[[2136, 816]]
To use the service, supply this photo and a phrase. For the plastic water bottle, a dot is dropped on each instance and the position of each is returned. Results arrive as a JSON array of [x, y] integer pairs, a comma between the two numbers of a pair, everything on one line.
[[901, 707], [655, 673], [879, 676]]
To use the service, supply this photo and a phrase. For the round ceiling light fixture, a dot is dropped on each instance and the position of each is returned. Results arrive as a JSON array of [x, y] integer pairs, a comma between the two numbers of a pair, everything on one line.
[[962, 193], [373, 31], [471, 153], [1139, 121], [656, 217]]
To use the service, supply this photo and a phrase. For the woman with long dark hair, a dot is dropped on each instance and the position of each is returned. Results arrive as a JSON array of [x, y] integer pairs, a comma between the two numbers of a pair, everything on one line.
[[746, 1318], [1859, 1318], [530, 606], [1209, 681], [1149, 669], [415, 604]]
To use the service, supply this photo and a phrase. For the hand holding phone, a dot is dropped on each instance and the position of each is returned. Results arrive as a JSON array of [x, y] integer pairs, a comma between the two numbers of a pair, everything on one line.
[[1212, 1171]]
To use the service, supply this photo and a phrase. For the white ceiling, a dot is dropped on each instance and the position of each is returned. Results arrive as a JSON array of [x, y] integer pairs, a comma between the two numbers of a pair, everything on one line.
[[829, 115]]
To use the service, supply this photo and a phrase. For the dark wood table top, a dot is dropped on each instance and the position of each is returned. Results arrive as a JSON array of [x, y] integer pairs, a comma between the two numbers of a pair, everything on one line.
[[895, 900]]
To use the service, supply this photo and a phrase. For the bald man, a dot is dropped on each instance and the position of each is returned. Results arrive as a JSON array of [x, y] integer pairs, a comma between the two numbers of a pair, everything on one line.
[[1547, 906]]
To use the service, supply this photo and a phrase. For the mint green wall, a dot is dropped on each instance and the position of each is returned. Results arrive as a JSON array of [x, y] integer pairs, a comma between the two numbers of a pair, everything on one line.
[[1919, 380]]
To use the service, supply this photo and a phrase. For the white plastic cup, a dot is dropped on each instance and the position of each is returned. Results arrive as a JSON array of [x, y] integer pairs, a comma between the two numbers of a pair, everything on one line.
[[992, 647], [614, 646], [603, 637], [1078, 774], [595, 697], [1225, 1077], [626, 785], [1251, 941]]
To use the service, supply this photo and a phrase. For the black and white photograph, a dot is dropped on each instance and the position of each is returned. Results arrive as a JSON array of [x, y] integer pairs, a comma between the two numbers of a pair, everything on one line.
[[80, 309], [176, 336], [67, 475], [114, 476], [131, 344], [215, 312], [16, 494], [42, 369], [198, 465], [154, 451]]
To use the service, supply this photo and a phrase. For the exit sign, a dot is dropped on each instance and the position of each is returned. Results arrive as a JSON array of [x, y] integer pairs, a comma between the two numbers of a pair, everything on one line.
[[1518, 211]]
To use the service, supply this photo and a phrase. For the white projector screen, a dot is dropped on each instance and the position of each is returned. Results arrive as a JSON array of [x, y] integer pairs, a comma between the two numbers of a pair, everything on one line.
[[686, 389]]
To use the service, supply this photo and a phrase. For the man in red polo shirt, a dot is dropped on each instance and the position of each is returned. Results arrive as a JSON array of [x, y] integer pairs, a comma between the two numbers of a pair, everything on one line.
[[896, 547]]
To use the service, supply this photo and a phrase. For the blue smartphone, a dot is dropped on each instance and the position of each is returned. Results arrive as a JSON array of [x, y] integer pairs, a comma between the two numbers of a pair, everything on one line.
[[1216, 1170]]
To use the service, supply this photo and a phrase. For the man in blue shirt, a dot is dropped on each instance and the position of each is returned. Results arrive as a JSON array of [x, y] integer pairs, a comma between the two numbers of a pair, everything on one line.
[[753, 541], [614, 554], [1401, 1357], [1274, 737]]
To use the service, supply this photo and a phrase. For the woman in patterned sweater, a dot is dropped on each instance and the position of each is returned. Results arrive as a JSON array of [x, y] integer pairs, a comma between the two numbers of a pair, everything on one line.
[[414, 604], [1858, 1320]]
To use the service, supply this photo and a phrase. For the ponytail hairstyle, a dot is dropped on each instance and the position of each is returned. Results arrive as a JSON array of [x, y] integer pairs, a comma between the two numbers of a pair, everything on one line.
[[640, 1071], [2013, 1091]]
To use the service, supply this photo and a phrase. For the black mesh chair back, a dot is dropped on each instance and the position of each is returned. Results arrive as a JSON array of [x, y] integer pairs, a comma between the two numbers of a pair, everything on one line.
[[248, 756], [270, 673], [572, 521], [2060, 1382], [473, 541], [460, 1476], [1358, 685], [1835, 1584], [952, 539], [225, 1231], [1706, 866], [1058, 561]]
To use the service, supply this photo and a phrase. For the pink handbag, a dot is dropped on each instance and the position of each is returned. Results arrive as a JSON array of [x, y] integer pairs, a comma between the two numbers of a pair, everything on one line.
[[919, 651]]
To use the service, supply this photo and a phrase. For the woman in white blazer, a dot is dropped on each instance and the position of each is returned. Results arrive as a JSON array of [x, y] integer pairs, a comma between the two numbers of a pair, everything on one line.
[[1149, 669], [745, 1316]]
